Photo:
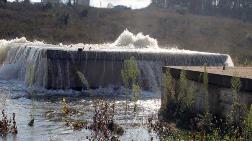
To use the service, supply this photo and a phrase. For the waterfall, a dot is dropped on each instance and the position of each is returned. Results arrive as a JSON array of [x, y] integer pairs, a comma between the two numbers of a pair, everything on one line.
[[49, 66]]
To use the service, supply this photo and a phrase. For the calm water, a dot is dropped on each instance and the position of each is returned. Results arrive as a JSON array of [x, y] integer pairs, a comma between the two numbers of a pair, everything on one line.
[[49, 125]]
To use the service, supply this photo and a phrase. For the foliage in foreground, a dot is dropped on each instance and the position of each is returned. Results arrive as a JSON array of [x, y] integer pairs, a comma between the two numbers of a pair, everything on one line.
[[178, 106], [129, 75], [195, 126], [103, 126], [8, 125]]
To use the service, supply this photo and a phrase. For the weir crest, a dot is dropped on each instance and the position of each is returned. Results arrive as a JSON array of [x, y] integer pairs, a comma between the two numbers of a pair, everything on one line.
[[55, 66]]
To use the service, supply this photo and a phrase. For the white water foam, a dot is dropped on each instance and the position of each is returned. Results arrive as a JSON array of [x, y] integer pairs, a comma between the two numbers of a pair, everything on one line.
[[128, 39], [19, 56]]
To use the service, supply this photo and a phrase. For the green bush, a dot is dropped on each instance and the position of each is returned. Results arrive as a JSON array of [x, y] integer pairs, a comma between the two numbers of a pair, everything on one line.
[[129, 75], [83, 80]]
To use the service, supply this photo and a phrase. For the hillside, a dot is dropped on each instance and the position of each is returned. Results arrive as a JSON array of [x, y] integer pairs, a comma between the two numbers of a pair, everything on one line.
[[90, 25]]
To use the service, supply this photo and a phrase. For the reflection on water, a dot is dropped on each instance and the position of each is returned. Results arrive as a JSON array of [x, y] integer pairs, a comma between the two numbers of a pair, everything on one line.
[[51, 126]]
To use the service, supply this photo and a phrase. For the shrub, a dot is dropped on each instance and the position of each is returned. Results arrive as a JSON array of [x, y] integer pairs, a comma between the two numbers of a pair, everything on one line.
[[129, 75], [205, 83], [168, 90], [178, 107], [65, 108], [8, 126], [103, 123], [248, 125], [235, 111], [83, 80], [186, 92], [30, 75]]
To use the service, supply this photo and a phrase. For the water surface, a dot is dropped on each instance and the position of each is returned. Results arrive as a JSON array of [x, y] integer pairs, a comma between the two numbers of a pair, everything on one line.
[[46, 106]]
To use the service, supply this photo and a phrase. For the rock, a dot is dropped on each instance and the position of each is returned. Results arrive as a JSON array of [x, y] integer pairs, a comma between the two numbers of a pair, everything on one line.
[[31, 123]]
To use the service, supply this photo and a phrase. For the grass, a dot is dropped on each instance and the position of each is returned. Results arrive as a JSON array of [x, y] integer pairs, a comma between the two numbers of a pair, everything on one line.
[[55, 24]]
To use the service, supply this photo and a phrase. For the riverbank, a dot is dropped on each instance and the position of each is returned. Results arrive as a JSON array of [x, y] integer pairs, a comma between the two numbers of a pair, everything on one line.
[[69, 24]]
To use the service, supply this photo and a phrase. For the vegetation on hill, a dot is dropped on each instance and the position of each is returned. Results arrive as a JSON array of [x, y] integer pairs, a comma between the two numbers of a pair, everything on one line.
[[74, 24], [239, 9]]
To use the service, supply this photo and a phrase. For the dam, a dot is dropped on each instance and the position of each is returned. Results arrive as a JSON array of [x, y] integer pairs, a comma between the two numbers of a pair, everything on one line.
[[36, 76], [220, 91], [48, 66]]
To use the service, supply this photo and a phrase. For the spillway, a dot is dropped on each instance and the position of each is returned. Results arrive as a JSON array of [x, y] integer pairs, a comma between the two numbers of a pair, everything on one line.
[[49, 66]]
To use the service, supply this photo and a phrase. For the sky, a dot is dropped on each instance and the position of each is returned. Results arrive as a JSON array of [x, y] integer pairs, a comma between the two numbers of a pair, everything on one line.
[[134, 4]]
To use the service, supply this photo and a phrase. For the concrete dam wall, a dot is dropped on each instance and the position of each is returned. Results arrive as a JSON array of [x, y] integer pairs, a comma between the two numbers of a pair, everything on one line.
[[219, 92], [103, 68], [42, 65]]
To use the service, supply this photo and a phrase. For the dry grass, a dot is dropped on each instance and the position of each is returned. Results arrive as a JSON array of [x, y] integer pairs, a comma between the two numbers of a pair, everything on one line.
[[203, 33]]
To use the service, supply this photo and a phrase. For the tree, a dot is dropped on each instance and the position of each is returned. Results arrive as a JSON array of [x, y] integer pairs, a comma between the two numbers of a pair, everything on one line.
[[3, 1], [27, 2], [69, 3]]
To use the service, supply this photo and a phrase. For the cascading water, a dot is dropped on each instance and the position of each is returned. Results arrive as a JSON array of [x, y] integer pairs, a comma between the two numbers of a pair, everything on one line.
[[55, 66], [45, 66], [23, 63]]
